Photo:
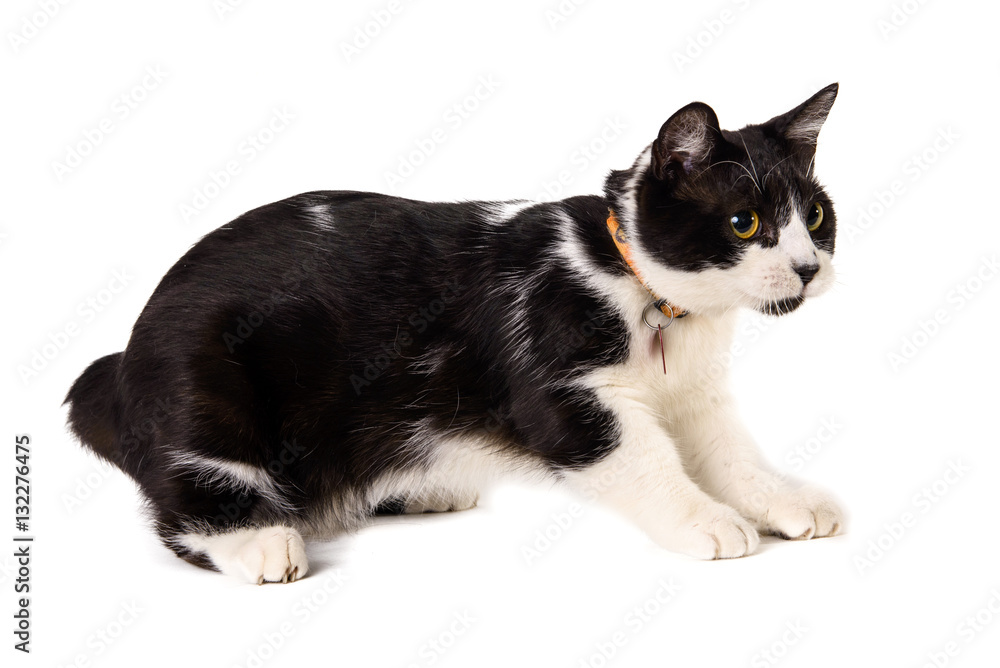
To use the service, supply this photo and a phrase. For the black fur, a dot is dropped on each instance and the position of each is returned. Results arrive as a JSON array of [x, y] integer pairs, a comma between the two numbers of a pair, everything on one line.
[[273, 333], [316, 337], [92, 412]]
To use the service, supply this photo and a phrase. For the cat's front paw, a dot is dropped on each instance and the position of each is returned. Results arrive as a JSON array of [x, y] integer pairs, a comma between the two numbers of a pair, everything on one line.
[[714, 532], [802, 514]]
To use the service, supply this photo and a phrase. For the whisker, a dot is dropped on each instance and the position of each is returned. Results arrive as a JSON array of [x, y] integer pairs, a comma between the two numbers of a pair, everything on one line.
[[740, 165], [764, 184], [756, 182]]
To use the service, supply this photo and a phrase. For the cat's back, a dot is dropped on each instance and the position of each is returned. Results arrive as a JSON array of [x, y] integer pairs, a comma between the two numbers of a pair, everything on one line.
[[359, 231], [337, 257]]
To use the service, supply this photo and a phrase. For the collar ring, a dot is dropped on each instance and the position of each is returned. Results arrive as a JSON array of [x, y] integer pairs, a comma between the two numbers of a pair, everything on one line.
[[663, 307]]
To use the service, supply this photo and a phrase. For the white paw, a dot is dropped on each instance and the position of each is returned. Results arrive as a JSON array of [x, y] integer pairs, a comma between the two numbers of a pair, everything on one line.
[[273, 554], [802, 514], [441, 502], [715, 531]]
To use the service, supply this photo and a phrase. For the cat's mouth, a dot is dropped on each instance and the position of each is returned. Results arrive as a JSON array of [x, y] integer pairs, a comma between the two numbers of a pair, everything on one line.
[[781, 306]]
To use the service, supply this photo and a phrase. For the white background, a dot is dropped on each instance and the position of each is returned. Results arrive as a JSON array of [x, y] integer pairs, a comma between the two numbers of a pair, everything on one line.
[[105, 593]]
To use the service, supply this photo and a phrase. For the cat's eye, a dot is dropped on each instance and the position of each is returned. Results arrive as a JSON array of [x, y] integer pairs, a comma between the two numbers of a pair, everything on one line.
[[815, 218], [745, 223]]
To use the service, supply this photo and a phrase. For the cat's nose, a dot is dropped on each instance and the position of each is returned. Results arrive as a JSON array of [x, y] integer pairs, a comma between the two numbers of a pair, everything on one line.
[[806, 272]]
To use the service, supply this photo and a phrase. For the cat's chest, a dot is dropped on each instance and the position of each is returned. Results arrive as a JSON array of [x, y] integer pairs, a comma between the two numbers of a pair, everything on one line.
[[688, 358]]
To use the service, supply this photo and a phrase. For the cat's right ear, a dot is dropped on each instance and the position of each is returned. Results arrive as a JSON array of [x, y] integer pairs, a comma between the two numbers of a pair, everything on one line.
[[686, 140], [802, 124]]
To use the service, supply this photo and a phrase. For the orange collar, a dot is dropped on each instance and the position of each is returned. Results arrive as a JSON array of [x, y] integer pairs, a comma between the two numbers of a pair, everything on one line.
[[618, 234]]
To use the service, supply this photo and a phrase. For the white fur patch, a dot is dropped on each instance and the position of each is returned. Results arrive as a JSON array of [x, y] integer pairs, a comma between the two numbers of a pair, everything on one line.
[[499, 213], [644, 477], [795, 243], [320, 215], [623, 293], [236, 476], [271, 554], [460, 467]]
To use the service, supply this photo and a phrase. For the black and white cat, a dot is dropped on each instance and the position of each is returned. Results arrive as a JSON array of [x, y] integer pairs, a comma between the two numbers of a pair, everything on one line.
[[336, 354]]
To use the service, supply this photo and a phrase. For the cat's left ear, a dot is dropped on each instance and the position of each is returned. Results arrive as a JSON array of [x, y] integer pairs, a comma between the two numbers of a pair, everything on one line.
[[686, 140], [802, 124]]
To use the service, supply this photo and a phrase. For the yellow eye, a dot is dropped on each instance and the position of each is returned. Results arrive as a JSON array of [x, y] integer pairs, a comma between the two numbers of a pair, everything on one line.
[[745, 223], [815, 218]]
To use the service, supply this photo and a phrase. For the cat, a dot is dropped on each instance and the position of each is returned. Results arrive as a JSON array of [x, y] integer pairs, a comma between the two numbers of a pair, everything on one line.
[[338, 354]]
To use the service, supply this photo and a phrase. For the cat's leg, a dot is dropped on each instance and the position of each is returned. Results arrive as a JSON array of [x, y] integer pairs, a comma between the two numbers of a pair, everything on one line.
[[227, 516], [643, 477], [450, 480], [726, 462]]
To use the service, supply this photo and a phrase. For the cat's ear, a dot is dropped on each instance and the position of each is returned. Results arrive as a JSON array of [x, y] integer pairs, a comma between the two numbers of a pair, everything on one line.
[[802, 124], [686, 140]]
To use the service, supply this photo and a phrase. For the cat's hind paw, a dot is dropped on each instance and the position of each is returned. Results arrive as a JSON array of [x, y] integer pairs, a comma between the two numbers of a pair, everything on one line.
[[256, 555], [274, 554], [441, 502]]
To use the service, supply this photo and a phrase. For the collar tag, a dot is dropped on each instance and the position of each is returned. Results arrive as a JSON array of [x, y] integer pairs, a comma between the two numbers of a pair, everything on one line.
[[663, 350]]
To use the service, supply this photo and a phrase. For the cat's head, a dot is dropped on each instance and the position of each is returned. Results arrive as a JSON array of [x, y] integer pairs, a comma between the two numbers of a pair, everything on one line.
[[719, 218]]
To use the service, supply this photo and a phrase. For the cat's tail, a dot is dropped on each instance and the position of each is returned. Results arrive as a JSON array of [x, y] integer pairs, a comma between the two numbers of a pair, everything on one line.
[[92, 407]]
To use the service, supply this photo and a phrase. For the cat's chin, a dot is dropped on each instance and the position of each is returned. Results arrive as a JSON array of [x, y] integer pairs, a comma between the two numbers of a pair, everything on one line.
[[781, 306]]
